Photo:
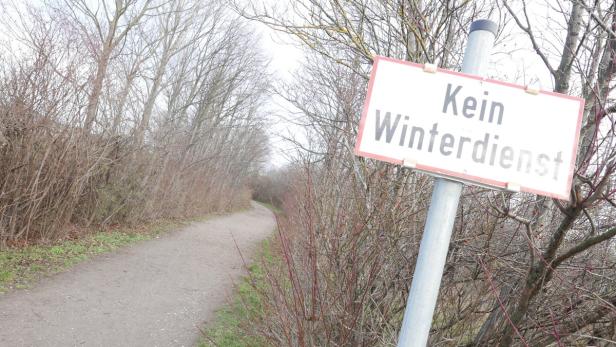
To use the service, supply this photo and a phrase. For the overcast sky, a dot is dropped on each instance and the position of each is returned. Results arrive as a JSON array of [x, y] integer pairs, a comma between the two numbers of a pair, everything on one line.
[[512, 60], [285, 58]]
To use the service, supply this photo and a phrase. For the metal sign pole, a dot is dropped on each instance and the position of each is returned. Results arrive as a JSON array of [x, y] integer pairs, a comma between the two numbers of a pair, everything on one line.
[[441, 216]]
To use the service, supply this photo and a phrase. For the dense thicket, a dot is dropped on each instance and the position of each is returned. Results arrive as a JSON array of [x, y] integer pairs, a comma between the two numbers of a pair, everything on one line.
[[522, 270], [123, 111]]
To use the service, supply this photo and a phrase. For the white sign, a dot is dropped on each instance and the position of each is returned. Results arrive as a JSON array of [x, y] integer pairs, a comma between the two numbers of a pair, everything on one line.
[[471, 129]]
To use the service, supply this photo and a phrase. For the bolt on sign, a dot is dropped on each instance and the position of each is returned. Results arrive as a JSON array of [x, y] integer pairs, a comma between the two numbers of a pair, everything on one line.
[[470, 129]]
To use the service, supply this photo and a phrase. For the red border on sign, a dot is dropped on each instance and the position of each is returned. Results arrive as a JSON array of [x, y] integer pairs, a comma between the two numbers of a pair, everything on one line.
[[455, 174]]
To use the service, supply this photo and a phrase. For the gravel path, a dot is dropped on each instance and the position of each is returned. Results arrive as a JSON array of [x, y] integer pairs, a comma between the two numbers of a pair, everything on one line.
[[155, 293]]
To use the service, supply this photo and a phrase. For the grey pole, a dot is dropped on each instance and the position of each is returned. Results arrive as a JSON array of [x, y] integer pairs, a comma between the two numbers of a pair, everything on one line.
[[441, 216]]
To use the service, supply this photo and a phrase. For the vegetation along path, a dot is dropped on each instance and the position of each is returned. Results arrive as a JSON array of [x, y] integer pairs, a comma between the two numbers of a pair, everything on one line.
[[156, 293]]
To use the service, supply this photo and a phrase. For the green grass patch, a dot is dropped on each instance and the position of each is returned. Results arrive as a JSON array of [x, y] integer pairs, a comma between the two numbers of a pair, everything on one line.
[[230, 327], [21, 267]]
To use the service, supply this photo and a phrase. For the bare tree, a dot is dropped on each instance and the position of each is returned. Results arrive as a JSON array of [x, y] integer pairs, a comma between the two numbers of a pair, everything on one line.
[[103, 27], [522, 270], [173, 125]]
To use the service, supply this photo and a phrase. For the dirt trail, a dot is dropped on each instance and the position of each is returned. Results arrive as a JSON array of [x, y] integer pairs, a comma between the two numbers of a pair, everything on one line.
[[155, 293]]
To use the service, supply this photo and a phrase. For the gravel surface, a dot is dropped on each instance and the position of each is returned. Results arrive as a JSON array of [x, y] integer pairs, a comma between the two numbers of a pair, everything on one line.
[[155, 293]]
